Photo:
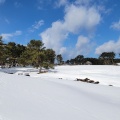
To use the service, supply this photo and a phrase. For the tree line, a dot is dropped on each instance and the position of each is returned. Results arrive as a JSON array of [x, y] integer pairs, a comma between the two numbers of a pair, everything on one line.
[[105, 58], [36, 54]]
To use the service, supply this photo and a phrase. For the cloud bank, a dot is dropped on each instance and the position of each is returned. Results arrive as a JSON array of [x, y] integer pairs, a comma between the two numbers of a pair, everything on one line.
[[83, 45], [7, 36], [76, 19], [110, 46]]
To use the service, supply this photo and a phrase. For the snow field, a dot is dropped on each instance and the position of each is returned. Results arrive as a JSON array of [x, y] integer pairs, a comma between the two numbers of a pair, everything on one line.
[[46, 97]]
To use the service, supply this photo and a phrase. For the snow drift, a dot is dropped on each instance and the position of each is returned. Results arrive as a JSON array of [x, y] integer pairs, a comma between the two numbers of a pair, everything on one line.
[[46, 97]]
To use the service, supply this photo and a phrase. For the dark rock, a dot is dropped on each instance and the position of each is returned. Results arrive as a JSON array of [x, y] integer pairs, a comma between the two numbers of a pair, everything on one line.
[[97, 82], [86, 80], [91, 81], [27, 75], [10, 73], [79, 79]]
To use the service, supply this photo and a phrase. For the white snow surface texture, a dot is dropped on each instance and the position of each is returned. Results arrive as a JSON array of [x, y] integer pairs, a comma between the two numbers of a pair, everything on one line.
[[46, 97]]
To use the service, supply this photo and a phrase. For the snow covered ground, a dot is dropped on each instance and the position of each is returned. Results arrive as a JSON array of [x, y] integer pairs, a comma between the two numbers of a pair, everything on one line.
[[48, 97]]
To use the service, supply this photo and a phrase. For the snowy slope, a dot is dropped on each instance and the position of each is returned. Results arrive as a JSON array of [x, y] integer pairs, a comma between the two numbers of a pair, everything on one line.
[[45, 97], [106, 75]]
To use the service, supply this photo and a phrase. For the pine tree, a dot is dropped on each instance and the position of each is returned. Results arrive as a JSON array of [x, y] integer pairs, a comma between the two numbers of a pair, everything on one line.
[[37, 56], [59, 59]]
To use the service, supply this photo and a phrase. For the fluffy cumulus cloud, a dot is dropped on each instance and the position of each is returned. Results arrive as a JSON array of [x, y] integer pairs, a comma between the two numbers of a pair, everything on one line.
[[7, 36], [63, 50], [116, 25], [110, 46], [76, 19], [83, 45], [2, 1], [54, 36]]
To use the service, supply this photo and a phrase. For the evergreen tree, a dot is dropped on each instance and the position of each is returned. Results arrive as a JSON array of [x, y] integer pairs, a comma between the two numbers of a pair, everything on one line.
[[107, 57], [13, 52], [50, 55], [36, 55], [79, 59], [1, 50], [59, 59]]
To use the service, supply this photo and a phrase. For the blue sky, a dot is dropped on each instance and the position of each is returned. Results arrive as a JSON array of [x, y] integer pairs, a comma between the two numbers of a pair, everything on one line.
[[70, 27]]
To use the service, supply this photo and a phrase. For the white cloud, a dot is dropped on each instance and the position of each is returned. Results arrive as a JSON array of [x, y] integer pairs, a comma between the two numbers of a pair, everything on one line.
[[2, 1], [110, 46], [7, 36], [83, 45], [85, 2], [76, 19], [17, 33], [60, 3], [82, 41], [116, 25], [54, 36], [42, 4], [63, 50], [36, 25]]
